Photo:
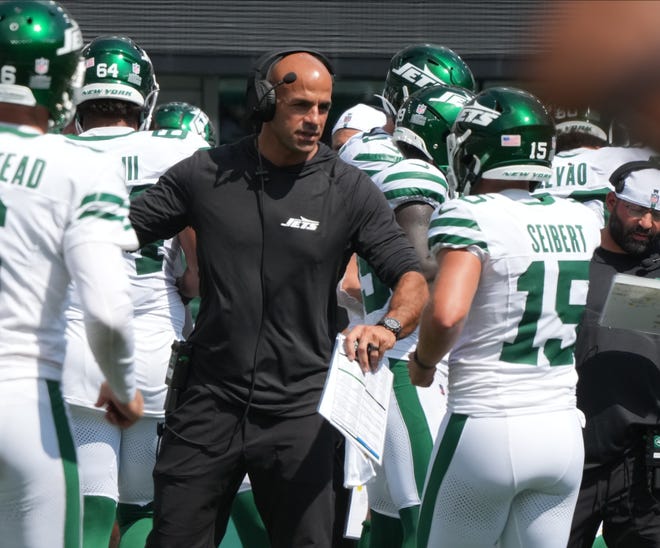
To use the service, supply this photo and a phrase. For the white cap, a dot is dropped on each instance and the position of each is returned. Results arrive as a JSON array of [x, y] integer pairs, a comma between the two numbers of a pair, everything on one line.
[[361, 117], [642, 187]]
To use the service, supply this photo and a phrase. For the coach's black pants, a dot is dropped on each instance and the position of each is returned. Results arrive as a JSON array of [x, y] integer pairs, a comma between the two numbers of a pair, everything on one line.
[[205, 452], [617, 494]]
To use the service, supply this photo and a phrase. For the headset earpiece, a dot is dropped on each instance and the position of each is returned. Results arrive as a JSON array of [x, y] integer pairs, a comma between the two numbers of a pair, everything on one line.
[[264, 110], [260, 94]]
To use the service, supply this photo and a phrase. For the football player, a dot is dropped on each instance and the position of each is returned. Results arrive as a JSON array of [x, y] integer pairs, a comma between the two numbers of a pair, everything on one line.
[[425, 120], [63, 216], [412, 68], [116, 103], [372, 151], [421, 65], [414, 186], [182, 115], [584, 138], [357, 119], [510, 290]]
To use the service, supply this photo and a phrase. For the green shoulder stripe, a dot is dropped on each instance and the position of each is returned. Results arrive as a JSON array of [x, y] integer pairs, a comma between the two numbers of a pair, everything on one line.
[[450, 240], [415, 175], [588, 195], [394, 194], [102, 215], [103, 197], [371, 157], [443, 220]]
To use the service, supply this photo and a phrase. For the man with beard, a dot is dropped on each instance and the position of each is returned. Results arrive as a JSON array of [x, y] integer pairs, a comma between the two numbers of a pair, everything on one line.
[[619, 376]]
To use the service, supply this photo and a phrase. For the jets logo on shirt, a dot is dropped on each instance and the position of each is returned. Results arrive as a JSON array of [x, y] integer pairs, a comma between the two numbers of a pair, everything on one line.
[[301, 223]]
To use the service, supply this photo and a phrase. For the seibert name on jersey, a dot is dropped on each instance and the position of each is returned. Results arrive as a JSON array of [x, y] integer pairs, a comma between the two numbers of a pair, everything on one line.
[[560, 238], [21, 170]]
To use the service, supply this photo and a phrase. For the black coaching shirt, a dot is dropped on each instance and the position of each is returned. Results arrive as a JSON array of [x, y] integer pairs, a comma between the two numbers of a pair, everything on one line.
[[618, 369], [272, 244]]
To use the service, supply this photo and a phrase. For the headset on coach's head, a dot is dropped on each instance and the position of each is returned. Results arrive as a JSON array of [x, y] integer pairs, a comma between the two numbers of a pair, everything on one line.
[[260, 93]]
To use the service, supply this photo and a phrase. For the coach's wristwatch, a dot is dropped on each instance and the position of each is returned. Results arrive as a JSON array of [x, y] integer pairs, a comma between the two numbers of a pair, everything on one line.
[[391, 324]]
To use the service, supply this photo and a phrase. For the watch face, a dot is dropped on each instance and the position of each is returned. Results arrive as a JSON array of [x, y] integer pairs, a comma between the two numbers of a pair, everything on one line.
[[391, 324]]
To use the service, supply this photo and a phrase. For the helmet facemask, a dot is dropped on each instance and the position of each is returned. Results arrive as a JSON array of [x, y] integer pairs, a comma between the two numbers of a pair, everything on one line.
[[463, 171]]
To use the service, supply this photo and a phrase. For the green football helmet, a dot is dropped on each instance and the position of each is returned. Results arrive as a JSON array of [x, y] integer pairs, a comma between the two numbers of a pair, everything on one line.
[[40, 61], [425, 120], [180, 115], [117, 68], [502, 133], [422, 65]]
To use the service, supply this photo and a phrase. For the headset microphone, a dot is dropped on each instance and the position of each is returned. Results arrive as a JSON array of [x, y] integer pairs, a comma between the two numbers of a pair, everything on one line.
[[289, 78], [265, 107]]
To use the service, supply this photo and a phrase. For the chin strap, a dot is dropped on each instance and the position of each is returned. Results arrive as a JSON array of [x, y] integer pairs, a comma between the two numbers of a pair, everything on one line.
[[387, 106], [149, 105]]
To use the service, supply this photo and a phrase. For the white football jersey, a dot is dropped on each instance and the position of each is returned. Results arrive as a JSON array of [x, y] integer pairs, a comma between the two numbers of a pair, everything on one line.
[[583, 174], [371, 151], [515, 352], [54, 194], [403, 182], [144, 156]]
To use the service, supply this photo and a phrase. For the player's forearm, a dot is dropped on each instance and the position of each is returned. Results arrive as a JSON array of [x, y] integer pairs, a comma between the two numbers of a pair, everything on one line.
[[104, 291], [414, 218], [436, 338], [443, 317], [112, 347], [188, 283]]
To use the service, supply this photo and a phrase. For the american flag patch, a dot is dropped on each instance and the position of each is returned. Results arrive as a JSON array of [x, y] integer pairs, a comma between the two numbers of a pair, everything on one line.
[[89, 62], [510, 140]]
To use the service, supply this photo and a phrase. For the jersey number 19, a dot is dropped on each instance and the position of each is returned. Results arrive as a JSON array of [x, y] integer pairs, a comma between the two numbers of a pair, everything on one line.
[[536, 284]]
